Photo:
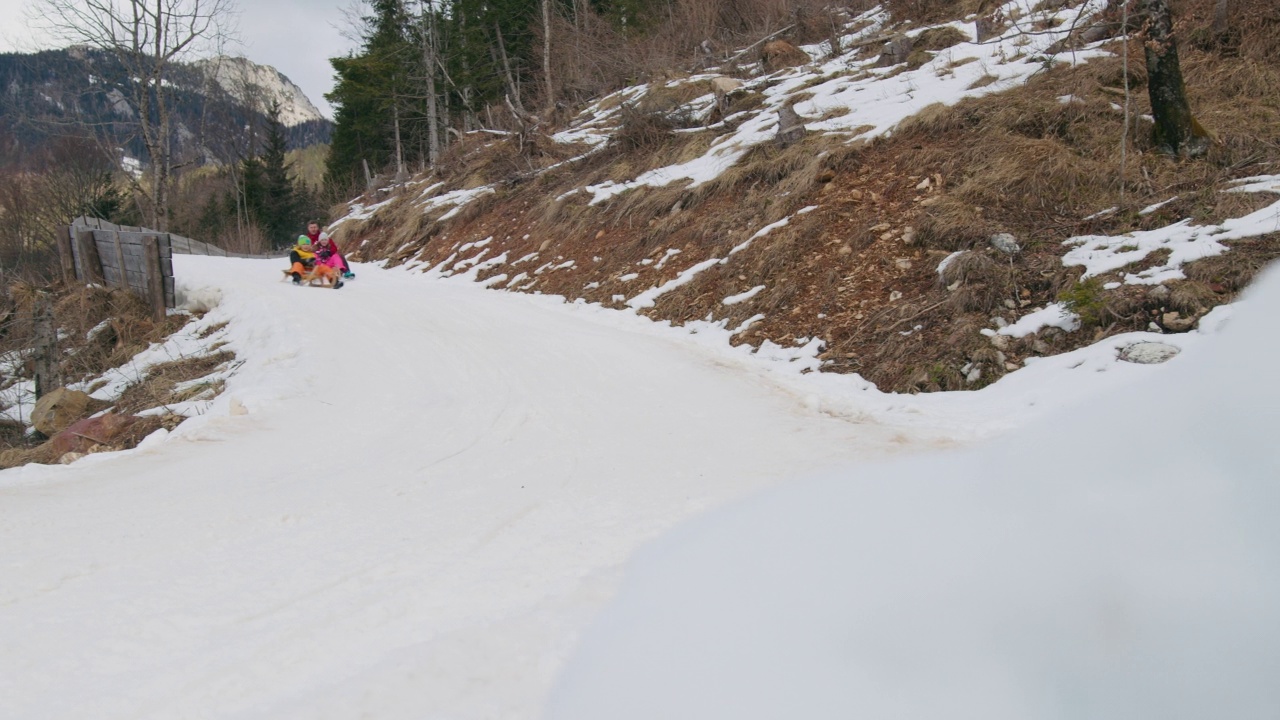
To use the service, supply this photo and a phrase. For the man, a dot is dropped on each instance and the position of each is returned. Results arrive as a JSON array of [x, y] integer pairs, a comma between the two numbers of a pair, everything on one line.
[[321, 241]]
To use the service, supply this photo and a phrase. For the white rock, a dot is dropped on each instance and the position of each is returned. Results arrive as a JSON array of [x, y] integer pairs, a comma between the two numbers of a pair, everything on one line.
[[1148, 353]]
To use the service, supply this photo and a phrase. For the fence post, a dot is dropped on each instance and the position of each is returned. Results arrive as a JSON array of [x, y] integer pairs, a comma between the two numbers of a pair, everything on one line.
[[168, 286], [90, 263], [154, 275], [124, 273], [65, 254], [46, 345]]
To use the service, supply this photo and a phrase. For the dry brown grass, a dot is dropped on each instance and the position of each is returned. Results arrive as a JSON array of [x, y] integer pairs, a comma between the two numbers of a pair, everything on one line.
[[668, 99], [127, 326], [643, 131], [158, 388], [932, 41], [928, 11], [122, 325]]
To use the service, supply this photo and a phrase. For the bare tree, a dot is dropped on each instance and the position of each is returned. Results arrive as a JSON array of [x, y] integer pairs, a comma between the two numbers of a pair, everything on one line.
[[147, 37]]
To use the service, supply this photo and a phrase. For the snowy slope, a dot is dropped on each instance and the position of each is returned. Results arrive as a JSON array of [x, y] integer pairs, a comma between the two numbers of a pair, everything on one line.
[[431, 491], [1120, 562], [258, 85], [416, 493]]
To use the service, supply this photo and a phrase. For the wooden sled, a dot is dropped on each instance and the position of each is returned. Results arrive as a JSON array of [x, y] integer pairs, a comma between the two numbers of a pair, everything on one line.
[[321, 275]]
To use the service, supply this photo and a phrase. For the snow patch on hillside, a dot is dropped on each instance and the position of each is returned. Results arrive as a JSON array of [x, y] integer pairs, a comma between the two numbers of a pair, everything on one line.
[[851, 97], [1185, 242], [843, 96]]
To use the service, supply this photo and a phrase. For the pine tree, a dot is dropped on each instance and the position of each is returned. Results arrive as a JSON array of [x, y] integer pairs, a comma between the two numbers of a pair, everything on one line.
[[278, 214], [369, 86]]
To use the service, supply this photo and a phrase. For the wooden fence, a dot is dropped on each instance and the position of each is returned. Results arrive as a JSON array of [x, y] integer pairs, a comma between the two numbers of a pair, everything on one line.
[[131, 258]]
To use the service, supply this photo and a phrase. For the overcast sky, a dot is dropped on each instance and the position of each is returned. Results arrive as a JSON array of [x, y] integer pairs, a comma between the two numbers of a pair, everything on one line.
[[297, 37]]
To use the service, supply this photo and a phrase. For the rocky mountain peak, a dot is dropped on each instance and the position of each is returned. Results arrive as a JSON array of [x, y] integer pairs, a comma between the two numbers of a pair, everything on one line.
[[258, 85]]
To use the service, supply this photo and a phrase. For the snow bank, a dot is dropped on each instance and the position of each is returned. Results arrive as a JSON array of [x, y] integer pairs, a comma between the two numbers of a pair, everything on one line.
[[1123, 561]]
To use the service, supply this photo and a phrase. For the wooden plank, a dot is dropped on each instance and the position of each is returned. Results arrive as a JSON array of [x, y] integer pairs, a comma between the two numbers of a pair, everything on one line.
[[138, 237], [155, 277], [124, 279], [66, 255], [90, 261], [136, 280]]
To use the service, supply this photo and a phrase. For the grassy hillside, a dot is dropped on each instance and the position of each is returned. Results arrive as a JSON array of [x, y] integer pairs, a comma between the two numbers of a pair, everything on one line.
[[840, 236]]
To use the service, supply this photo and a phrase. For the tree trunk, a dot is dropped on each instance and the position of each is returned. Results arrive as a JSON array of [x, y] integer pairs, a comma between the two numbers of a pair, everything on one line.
[[401, 175], [513, 91], [429, 54], [164, 162], [1176, 131], [549, 87]]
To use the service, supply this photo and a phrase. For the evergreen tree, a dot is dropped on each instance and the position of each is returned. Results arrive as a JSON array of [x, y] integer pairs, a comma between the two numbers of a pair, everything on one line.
[[252, 183], [369, 86], [278, 207], [442, 63]]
